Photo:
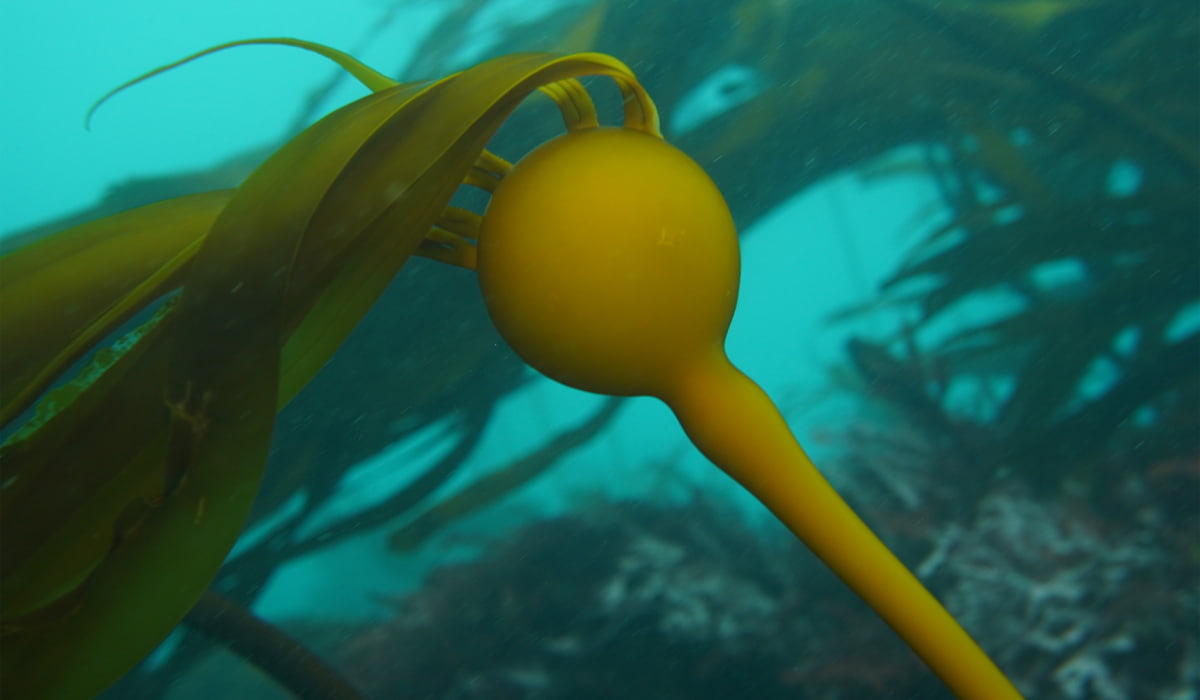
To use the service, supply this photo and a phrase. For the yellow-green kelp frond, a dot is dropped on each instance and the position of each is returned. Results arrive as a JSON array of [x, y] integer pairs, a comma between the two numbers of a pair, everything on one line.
[[369, 77], [100, 274], [163, 443]]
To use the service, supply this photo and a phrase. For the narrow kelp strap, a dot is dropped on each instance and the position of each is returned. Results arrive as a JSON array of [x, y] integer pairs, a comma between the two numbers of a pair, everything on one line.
[[569, 94], [573, 100], [372, 79]]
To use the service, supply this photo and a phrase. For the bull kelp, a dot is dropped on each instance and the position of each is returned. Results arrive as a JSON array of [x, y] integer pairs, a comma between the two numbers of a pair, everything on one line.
[[273, 278], [1060, 139]]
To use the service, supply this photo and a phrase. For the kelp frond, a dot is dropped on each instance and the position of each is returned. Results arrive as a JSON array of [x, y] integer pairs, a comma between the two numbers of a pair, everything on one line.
[[372, 79]]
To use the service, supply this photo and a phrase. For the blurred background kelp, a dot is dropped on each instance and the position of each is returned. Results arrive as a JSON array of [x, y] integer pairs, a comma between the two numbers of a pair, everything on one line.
[[1028, 427]]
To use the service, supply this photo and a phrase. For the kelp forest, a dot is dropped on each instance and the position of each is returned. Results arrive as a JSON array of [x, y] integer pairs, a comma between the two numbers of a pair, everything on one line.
[[1026, 431]]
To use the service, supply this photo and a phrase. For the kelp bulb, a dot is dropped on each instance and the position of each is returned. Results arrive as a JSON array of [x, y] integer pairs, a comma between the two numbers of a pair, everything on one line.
[[609, 261]]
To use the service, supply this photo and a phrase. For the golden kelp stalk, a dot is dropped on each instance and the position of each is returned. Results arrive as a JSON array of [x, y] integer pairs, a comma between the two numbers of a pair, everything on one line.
[[607, 259]]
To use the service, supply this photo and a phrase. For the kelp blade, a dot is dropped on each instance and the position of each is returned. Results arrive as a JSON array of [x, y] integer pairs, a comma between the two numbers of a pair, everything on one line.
[[207, 455], [295, 258], [53, 292]]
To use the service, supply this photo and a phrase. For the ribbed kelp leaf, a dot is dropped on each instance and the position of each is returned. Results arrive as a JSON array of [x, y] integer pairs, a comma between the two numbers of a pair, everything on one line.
[[123, 497]]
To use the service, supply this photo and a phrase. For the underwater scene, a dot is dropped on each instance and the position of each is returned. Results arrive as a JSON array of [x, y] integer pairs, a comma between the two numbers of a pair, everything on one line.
[[697, 349]]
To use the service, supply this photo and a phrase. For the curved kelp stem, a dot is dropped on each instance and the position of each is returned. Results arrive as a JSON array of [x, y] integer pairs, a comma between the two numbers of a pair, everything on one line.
[[735, 424], [609, 261], [163, 435], [262, 644]]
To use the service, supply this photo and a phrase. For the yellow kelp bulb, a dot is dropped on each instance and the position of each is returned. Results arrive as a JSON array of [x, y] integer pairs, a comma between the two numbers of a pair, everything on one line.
[[608, 260]]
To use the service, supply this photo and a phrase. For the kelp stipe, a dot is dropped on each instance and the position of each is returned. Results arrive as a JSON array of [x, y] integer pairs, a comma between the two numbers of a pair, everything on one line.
[[609, 261], [607, 258]]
